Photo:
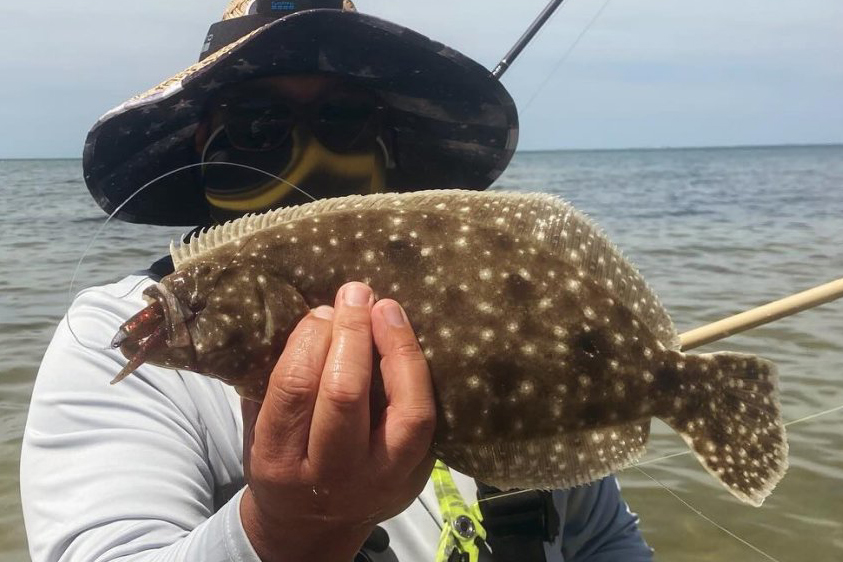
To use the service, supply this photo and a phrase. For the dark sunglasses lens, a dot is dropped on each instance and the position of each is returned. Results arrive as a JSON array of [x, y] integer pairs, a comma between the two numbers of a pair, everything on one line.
[[346, 123], [256, 127]]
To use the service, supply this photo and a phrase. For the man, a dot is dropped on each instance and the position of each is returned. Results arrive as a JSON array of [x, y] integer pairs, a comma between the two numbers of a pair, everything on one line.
[[167, 465]]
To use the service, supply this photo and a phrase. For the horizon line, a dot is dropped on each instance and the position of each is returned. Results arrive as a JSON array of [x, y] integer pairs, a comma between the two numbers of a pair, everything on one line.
[[545, 150]]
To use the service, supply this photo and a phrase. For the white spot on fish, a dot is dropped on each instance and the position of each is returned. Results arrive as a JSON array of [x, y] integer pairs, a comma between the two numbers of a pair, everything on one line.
[[526, 388], [485, 274]]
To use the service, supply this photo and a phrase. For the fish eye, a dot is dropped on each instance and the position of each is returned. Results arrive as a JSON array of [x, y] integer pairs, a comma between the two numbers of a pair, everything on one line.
[[203, 270]]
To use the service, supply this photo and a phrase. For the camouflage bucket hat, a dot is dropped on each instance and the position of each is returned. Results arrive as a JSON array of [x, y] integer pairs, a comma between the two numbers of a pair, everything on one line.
[[451, 123]]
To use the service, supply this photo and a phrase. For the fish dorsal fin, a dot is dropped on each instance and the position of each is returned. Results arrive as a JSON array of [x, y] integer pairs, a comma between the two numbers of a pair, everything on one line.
[[548, 220]]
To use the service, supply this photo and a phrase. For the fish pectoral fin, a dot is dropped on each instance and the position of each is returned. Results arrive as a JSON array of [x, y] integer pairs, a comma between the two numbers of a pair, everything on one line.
[[562, 461]]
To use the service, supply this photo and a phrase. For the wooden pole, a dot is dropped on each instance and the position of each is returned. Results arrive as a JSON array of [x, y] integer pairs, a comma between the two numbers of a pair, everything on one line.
[[762, 315]]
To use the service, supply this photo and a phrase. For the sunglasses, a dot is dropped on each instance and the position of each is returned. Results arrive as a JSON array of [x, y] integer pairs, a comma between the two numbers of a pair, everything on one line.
[[343, 120]]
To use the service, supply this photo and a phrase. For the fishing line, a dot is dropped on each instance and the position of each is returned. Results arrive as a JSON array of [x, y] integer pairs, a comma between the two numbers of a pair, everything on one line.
[[124, 203], [651, 461], [704, 516], [812, 416], [787, 424], [565, 55]]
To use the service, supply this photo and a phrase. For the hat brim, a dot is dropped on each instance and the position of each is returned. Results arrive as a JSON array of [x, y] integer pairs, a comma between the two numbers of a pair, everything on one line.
[[453, 124]]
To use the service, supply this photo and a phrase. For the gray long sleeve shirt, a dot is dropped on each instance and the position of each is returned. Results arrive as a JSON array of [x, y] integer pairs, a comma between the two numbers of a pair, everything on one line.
[[151, 469]]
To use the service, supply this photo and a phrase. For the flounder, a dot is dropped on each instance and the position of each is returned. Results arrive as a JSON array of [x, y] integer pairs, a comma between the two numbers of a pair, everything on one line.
[[548, 351]]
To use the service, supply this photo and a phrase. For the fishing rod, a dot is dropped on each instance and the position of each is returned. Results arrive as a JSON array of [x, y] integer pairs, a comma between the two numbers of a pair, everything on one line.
[[528, 35], [762, 315]]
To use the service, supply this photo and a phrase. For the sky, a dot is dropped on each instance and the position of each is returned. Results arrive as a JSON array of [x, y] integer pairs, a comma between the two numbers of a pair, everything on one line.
[[645, 73]]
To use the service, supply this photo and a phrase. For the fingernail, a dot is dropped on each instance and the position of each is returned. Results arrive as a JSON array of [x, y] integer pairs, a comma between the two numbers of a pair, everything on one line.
[[357, 295], [394, 315], [324, 312]]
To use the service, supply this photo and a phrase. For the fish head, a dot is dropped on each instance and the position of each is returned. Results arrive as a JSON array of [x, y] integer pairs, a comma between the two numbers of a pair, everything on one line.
[[228, 319]]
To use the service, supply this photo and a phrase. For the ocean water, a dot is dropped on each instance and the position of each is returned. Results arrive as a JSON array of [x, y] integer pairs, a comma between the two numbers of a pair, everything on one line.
[[714, 231]]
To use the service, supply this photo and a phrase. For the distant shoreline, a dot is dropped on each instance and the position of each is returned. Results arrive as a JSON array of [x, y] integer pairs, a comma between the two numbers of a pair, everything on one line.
[[549, 150], [669, 148]]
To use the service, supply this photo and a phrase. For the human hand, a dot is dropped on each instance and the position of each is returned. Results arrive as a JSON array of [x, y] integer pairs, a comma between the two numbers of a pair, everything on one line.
[[321, 474]]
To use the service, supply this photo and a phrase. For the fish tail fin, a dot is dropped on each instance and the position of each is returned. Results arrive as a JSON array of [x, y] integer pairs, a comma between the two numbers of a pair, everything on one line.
[[727, 410]]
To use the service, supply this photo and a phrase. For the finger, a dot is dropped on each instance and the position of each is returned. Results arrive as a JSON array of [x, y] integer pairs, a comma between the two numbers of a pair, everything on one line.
[[407, 429], [283, 424], [340, 429], [250, 410]]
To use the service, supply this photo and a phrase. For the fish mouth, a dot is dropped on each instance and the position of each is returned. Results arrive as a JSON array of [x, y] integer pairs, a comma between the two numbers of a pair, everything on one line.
[[162, 325]]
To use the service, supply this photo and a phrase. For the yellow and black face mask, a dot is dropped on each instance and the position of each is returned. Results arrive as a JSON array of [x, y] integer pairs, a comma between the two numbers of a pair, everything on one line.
[[304, 168]]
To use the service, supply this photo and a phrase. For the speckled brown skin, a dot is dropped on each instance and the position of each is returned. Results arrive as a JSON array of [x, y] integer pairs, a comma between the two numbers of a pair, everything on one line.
[[547, 370]]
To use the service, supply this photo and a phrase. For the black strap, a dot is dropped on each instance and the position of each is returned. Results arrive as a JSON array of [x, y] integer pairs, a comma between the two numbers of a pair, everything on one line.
[[162, 267], [228, 31], [518, 522], [281, 8]]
